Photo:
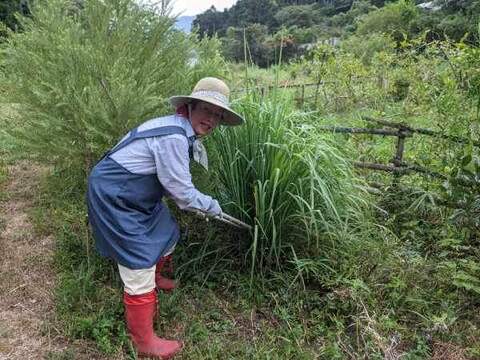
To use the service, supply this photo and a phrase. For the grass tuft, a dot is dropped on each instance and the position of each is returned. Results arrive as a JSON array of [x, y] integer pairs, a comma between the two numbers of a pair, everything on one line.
[[297, 188]]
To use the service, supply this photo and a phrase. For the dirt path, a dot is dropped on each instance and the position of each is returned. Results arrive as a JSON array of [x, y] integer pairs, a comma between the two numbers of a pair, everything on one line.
[[27, 277]]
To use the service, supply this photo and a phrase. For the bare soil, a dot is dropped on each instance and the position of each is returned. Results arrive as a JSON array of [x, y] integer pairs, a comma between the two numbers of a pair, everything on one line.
[[448, 351], [27, 277]]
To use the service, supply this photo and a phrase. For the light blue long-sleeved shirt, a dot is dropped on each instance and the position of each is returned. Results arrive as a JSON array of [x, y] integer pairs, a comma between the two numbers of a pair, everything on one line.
[[168, 157]]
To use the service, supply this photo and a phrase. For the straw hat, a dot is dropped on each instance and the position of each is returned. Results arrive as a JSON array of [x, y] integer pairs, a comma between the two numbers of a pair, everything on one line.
[[213, 91]]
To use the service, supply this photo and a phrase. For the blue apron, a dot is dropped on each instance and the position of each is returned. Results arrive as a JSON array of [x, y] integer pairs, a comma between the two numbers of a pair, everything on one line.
[[130, 223]]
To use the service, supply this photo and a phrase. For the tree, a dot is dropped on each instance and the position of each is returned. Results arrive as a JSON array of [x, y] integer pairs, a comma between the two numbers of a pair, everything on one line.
[[394, 19], [8, 9], [460, 18], [211, 22], [358, 9], [301, 16], [82, 78], [246, 12], [456, 20], [258, 49]]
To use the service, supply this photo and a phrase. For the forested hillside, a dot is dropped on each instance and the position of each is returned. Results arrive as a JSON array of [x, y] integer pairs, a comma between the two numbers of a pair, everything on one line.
[[296, 24]]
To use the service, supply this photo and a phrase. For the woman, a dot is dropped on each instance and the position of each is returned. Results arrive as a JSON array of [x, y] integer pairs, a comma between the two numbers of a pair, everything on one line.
[[130, 222]]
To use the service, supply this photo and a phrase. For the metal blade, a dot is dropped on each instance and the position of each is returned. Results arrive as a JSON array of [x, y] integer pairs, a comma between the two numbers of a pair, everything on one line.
[[228, 219]]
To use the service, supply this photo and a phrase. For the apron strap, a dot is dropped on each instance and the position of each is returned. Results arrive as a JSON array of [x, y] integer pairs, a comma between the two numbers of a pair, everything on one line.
[[191, 140], [160, 131]]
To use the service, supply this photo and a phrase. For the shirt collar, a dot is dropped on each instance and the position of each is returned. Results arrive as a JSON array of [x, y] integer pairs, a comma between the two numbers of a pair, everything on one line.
[[187, 126]]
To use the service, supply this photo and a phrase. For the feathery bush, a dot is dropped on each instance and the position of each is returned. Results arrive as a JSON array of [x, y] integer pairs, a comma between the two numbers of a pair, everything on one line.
[[84, 75]]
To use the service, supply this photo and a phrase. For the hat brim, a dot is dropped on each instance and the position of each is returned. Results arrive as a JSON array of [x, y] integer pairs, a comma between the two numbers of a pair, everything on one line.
[[230, 117]]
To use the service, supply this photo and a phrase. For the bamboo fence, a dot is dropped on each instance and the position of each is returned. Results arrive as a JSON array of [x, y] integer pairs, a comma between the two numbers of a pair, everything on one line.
[[402, 131]]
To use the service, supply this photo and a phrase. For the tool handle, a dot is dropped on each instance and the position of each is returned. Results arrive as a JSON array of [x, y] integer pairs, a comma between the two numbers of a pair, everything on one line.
[[224, 217]]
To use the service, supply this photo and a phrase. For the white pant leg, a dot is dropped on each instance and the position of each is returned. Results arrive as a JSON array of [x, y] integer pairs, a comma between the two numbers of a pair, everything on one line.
[[137, 282]]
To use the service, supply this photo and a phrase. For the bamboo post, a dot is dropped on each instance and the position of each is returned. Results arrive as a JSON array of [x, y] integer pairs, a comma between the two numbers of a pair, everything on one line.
[[398, 158], [303, 95], [316, 91]]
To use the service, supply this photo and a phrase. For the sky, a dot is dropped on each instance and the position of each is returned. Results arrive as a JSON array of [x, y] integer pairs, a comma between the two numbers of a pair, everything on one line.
[[195, 7]]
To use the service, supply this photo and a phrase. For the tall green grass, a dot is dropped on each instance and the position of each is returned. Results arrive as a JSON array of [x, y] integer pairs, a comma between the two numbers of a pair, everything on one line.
[[297, 188]]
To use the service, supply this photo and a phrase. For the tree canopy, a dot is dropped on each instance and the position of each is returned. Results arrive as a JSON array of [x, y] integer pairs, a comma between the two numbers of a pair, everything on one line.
[[8, 9], [301, 23]]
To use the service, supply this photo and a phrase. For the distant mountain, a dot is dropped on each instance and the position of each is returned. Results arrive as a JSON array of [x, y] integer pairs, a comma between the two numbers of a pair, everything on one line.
[[184, 23]]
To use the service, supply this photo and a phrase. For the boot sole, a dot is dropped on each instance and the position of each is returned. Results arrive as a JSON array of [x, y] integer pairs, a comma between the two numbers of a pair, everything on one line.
[[157, 357]]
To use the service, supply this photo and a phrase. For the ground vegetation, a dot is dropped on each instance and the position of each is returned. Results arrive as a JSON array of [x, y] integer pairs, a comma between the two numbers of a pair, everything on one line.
[[342, 263]]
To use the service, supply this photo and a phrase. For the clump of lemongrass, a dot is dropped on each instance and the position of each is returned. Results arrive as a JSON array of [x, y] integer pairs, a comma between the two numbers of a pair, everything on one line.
[[297, 188]]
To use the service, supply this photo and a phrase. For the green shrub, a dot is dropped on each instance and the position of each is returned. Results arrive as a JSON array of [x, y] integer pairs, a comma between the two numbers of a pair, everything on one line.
[[400, 89], [367, 46], [85, 75], [392, 19]]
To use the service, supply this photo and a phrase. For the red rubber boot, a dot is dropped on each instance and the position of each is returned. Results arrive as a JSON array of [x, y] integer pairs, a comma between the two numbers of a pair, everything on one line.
[[163, 283], [139, 313]]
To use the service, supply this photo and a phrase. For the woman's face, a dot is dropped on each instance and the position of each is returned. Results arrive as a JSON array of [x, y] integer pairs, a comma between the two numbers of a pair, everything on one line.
[[205, 117]]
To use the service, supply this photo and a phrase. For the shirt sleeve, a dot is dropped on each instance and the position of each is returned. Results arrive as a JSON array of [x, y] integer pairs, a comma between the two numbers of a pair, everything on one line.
[[172, 163]]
